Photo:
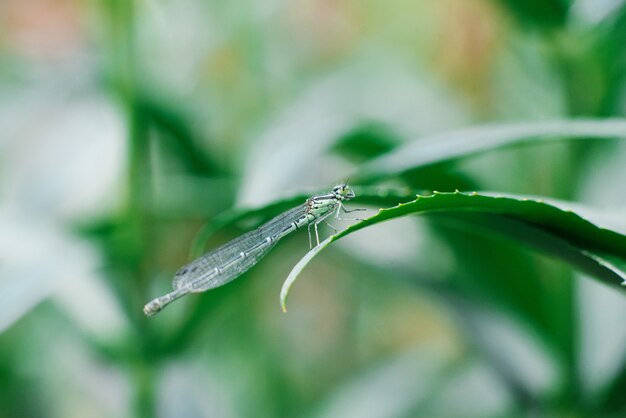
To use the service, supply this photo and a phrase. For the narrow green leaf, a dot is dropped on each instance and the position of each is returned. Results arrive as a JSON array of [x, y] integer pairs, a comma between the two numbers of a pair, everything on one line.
[[553, 230], [298, 268], [448, 146]]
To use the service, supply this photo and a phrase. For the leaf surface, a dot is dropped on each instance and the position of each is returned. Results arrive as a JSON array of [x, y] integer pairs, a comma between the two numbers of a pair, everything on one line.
[[553, 230]]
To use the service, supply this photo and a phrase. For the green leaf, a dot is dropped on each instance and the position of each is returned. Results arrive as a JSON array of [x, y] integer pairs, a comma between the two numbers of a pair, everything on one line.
[[552, 230], [298, 268], [542, 14], [177, 137], [449, 146], [366, 141]]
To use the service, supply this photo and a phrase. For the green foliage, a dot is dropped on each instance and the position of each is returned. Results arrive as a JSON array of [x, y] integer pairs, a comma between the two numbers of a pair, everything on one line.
[[476, 304]]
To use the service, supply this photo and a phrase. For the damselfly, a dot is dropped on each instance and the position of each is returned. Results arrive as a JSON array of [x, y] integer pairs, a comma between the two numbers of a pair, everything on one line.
[[231, 260]]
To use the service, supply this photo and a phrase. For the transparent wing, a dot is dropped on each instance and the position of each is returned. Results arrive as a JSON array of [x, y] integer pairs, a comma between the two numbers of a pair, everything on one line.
[[201, 273]]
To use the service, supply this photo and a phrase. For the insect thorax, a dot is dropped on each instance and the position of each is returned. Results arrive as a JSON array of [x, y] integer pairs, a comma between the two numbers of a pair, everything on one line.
[[320, 205]]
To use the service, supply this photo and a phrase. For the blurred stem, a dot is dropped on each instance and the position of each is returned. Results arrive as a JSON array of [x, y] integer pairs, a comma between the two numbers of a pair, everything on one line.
[[144, 386], [121, 24], [578, 67]]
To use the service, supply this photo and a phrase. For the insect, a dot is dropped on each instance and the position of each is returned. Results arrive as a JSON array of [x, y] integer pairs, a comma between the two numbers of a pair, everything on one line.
[[231, 260]]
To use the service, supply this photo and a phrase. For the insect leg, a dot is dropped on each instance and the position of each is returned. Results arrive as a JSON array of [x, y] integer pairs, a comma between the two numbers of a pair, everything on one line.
[[341, 207], [330, 226], [317, 237]]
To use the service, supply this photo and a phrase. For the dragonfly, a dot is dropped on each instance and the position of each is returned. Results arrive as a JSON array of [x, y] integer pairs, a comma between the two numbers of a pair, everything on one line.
[[234, 258]]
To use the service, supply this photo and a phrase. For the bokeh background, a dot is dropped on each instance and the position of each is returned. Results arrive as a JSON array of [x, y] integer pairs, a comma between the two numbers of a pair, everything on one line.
[[126, 126]]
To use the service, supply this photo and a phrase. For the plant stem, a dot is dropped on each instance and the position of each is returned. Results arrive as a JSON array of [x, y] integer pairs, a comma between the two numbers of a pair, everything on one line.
[[122, 52], [144, 397]]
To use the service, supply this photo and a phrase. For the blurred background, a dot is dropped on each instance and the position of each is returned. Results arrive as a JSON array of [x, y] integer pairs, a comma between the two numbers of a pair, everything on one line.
[[126, 126]]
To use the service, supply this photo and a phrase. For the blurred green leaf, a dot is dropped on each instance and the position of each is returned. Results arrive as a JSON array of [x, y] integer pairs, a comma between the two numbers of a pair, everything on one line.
[[447, 146], [540, 14], [611, 399], [608, 52], [365, 142], [177, 136]]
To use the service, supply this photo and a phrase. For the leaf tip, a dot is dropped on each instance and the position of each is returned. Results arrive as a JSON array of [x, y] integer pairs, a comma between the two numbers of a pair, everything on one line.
[[283, 300]]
